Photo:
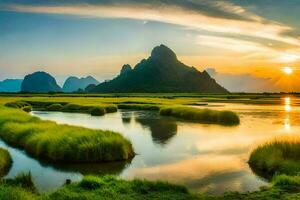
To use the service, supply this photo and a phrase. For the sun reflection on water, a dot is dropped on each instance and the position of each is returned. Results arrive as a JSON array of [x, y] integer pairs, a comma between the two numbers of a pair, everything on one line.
[[287, 104], [287, 108], [287, 125]]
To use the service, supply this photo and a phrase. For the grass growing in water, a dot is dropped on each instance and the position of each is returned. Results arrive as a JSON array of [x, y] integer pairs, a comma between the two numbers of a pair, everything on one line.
[[97, 111], [23, 180], [61, 143], [279, 156], [20, 104], [202, 115], [139, 106], [5, 161], [54, 107]]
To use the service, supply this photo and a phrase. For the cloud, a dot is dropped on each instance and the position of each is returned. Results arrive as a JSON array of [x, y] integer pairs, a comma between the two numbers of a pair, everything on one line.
[[243, 82], [212, 16], [249, 49]]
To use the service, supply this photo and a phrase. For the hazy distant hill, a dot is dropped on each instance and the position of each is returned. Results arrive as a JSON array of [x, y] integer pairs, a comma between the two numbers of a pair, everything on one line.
[[40, 82], [161, 72], [10, 85], [73, 83]]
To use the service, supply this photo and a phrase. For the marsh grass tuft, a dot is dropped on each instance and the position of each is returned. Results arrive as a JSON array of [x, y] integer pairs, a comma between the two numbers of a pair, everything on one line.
[[23, 180], [96, 111], [20, 104], [279, 156], [61, 143], [110, 187], [54, 107], [202, 115], [5, 162], [139, 106]]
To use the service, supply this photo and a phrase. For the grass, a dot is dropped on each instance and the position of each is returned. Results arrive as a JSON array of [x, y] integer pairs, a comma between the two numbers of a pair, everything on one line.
[[61, 143], [5, 162], [202, 115], [139, 106], [111, 187], [54, 107], [280, 156], [97, 111], [94, 110], [9, 192], [23, 180], [20, 104]]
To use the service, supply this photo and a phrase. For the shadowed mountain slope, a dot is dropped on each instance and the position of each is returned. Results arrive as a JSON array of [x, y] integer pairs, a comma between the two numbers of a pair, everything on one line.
[[40, 82], [161, 72], [73, 83]]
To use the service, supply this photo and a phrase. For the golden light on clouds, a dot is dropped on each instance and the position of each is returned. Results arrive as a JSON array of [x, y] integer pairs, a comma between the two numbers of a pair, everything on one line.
[[256, 27]]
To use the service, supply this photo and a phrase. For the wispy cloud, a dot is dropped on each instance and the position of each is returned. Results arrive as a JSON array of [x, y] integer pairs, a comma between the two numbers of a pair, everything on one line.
[[250, 50], [235, 20]]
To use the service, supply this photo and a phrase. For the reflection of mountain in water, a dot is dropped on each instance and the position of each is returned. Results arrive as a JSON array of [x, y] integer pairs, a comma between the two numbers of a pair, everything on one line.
[[126, 117], [161, 130]]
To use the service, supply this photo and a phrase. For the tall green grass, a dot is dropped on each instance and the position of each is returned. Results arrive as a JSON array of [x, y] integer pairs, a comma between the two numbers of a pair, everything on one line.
[[23, 180], [5, 161], [20, 104], [94, 110], [202, 115], [139, 106], [281, 156], [110, 187], [61, 143]]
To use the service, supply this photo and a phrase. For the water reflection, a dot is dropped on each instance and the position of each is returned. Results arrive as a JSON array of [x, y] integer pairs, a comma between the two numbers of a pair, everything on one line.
[[161, 130], [126, 117], [207, 158], [287, 104], [288, 109], [287, 125]]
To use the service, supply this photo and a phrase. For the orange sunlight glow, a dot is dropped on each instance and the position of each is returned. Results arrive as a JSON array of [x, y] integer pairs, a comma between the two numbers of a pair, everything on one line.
[[287, 70]]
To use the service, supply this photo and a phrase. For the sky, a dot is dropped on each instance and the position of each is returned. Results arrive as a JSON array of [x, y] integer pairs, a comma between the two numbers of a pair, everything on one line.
[[237, 40]]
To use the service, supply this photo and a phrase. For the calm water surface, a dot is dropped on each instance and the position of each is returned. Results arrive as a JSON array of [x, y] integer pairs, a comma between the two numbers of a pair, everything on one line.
[[206, 158]]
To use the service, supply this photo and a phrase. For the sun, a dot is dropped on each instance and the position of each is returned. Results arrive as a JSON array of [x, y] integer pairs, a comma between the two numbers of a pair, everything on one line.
[[287, 70]]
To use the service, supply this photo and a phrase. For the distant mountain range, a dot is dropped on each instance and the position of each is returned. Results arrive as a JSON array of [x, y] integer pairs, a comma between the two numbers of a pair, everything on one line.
[[10, 85], [40, 82], [73, 84], [161, 72]]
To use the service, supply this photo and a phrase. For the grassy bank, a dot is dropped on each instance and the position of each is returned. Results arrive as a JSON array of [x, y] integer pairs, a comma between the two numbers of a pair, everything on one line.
[[139, 106], [19, 104], [278, 156], [95, 110], [112, 188], [61, 143], [202, 115], [5, 161]]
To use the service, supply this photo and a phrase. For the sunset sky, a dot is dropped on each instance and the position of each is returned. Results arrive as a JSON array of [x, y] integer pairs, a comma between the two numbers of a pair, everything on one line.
[[250, 41]]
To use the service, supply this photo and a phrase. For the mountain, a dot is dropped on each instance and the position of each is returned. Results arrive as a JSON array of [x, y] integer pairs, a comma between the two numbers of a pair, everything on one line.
[[161, 72], [10, 85], [40, 82], [73, 83]]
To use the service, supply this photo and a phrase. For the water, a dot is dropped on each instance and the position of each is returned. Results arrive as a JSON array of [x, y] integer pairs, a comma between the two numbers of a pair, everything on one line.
[[206, 158]]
